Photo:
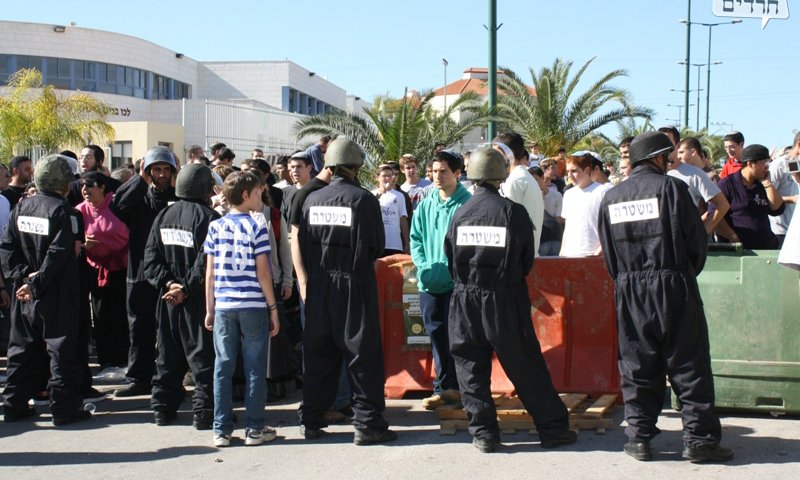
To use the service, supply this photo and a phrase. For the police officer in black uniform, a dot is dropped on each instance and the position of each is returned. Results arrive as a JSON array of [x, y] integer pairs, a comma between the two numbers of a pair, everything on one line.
[[137, 203], [490, 249], [654, 246], [38, 256], [340, 236], [174, 263]]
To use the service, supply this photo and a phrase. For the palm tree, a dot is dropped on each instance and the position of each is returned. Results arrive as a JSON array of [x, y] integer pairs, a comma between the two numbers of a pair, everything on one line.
[[411, 127], [34, 115], [557, 116]]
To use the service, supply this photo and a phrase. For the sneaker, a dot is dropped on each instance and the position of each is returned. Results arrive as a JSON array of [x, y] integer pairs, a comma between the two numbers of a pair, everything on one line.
[[565, 438], [76, 416], [433, 402], [164, 417], [257, 437], [110, 374], [486, 444], [371, 436], [93, 396], [133, 390], [311, 433], [11, 415], [706, 453], [639, 450], [41, 399], [222, 440], [203, 420]]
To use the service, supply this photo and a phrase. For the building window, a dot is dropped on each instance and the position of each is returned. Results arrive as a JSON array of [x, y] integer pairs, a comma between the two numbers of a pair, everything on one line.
[[121, 154], [88, 76]]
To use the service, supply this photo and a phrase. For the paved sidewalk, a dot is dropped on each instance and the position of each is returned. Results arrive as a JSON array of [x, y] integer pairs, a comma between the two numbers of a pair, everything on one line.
[[121, 442]]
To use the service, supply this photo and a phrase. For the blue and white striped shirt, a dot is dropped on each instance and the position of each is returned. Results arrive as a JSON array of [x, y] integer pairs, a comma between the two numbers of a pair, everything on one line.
[[235, 241]]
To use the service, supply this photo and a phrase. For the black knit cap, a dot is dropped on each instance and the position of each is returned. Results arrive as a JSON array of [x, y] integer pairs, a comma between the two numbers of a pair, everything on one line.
[[754, 153]]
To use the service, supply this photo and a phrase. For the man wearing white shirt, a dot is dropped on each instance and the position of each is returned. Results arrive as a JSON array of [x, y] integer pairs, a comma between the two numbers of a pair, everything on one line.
[[520, 187], [414, 186], [785, 182], [393, 211], [580, 209], [701, 188]]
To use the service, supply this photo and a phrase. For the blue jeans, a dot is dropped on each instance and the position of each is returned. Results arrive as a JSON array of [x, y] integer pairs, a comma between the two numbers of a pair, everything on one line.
[[245, 330], [435, 309]]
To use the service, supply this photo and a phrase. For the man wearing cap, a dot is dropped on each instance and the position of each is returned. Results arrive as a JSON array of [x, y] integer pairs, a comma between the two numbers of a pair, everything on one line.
[[753, 199], [174, 264], [654, 246], [340, 236], [137, 203], [490, 249], [38, 256]]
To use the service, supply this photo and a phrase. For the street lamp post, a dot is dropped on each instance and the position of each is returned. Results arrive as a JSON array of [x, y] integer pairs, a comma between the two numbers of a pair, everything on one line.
[[688, 56], [444, 62], [680, 109], [689, 24]]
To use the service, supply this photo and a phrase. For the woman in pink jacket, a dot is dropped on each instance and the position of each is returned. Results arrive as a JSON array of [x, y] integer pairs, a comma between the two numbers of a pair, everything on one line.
[[107, 255]]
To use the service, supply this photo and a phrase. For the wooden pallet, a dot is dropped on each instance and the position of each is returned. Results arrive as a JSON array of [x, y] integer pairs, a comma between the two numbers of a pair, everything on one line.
[[512, 416]]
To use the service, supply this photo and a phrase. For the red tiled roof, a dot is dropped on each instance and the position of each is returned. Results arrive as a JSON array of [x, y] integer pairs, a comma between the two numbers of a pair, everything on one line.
[[477, 85]]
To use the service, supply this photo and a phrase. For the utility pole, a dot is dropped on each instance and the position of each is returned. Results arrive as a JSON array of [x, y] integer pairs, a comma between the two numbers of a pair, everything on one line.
[[688, 58], [493, 64], [444, 62]]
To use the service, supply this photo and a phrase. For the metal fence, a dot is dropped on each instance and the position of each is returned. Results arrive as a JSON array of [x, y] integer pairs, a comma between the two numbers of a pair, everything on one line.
[[241, 127]]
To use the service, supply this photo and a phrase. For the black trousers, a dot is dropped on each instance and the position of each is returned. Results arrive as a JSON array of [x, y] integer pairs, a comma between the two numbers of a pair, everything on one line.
[[84, 324], [663, 331], [51, 325], [183, 342], [110, 332], [342, 324], [142, 299], [483, 322]]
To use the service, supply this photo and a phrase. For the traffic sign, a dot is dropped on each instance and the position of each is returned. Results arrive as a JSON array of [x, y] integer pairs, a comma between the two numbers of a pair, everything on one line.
[[763, 9]]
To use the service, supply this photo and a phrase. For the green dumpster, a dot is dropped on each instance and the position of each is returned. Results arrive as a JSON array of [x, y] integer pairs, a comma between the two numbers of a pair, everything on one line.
[[752, 305]]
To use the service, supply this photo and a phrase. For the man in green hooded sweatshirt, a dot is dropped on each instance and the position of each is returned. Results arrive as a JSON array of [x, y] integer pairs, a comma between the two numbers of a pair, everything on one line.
[[429, 226]]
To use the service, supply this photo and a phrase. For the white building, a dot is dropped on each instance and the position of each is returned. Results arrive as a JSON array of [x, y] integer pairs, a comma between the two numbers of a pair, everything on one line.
[[162, 97]]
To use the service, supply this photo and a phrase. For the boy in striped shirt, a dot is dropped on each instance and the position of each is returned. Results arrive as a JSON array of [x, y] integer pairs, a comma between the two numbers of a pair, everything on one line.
[[241, 308]]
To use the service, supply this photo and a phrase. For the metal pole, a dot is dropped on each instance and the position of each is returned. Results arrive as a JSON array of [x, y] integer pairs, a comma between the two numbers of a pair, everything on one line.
[[698, 97], [688, 57], [444, 62], [492, 64], [708, 77]]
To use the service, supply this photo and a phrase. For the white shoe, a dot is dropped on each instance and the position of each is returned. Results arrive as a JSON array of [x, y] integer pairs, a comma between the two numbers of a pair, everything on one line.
[[257, 437], [222, 440]]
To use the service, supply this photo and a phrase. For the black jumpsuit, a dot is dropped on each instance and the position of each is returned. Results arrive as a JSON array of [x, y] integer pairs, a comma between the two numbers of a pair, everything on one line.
[[341, 235], [490, 249], [174, 254], [654, 245], [40, 238], [137, 204]]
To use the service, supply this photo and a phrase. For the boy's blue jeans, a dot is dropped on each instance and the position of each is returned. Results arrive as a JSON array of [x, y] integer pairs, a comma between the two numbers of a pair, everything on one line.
[[246, 331]]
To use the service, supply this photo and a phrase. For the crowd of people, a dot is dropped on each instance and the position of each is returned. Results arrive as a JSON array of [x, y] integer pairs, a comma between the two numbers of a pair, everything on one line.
[[227, 270]]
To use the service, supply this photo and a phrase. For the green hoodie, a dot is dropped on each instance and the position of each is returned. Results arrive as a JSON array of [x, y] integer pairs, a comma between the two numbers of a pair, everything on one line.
[[429, 226]]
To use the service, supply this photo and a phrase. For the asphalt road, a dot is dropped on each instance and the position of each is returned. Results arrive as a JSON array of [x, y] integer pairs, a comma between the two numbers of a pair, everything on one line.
[[121, 442]]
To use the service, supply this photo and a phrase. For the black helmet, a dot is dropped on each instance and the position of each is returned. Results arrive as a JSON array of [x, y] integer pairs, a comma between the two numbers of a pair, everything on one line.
[[194, 182], [649, 145]]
